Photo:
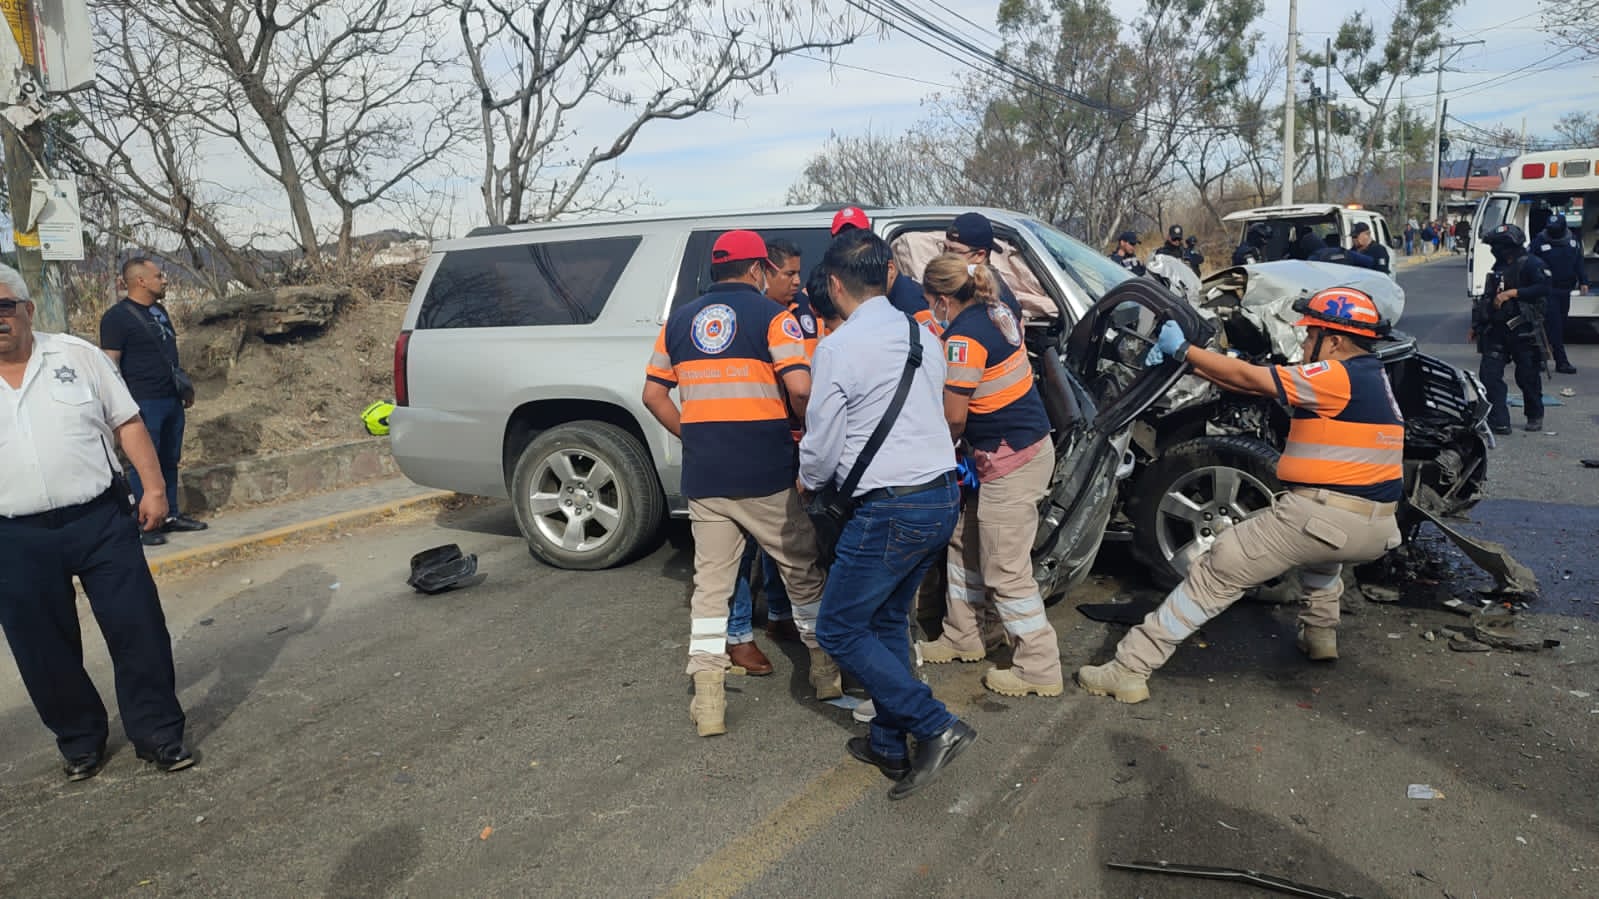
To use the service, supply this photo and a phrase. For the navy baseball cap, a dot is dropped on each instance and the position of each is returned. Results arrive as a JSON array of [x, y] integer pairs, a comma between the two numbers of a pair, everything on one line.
[[974, 230], [1359, 228], [1129, 236], [1175, 232]]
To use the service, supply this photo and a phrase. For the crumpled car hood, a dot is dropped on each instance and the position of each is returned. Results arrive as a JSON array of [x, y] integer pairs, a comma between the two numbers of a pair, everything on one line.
[[1268, 291]]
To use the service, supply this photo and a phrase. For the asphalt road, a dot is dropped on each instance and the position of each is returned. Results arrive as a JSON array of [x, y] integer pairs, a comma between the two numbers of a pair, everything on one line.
[[529, 736], [1543, 505]]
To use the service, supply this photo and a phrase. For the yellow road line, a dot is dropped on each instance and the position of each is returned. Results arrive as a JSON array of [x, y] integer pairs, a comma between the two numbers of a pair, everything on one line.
[[747, 858]]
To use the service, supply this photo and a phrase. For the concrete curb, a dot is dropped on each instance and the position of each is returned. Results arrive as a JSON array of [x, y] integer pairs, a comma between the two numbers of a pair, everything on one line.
[[228, 549]]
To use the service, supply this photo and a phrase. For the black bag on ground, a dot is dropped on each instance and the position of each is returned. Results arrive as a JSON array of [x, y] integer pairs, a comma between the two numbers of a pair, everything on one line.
[[831, 507]]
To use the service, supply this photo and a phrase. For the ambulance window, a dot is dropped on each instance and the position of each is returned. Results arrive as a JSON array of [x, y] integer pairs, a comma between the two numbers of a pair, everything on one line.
[[1577, 168], [551, 283], [1494, 213]]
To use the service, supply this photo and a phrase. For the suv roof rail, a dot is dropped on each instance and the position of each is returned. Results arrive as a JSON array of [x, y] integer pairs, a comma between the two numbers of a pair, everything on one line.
[[834, 207], [486, 230]]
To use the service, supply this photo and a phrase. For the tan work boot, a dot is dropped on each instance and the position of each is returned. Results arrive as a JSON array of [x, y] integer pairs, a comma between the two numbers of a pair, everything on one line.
[[1006, 682], [1113, 679], [939, 651], [825, 678], [1320, 643], [708, 711]]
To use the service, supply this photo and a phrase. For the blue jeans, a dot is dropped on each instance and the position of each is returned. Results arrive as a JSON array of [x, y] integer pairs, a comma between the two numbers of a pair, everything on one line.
[[865, 617], [164, 420], [740, 618]]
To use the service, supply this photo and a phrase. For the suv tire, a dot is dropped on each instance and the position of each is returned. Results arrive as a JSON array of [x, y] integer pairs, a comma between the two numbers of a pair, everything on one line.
[[1245, 466], [586, 496]]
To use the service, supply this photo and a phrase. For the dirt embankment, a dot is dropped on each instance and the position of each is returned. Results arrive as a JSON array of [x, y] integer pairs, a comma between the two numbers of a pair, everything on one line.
[[289, 368]]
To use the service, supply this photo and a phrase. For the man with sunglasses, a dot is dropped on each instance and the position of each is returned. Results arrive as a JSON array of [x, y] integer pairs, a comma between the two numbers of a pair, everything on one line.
[[62, 515], [972, 235]]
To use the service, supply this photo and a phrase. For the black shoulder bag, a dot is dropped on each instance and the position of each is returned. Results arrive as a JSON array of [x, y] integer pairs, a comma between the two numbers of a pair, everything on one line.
[[831, 508], [180, 378]]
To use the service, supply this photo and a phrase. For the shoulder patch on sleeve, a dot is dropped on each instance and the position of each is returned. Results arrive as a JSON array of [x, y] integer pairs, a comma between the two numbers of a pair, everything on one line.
[[792, 328], [955, 352], [1313, 369]]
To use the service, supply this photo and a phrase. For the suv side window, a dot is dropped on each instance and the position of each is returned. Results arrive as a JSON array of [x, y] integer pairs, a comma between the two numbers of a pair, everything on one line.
[[694, 275], [551, 283]]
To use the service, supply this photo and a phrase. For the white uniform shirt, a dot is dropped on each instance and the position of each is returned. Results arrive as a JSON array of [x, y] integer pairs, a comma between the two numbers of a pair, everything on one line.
[[56, 431]]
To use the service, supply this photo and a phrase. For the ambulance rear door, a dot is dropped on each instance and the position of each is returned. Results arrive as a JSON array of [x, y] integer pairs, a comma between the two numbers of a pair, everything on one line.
[[1495, 209]]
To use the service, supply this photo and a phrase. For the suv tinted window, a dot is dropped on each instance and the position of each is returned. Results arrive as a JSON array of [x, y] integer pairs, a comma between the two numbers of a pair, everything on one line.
[[695, 273], [555, 283]]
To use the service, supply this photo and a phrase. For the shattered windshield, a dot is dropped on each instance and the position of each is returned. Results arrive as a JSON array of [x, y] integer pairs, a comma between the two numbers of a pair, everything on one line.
[[1092, 270]]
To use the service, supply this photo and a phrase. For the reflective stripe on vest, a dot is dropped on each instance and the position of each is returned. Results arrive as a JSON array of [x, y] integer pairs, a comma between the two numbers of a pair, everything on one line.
[[1327, 451], [1003, 384]]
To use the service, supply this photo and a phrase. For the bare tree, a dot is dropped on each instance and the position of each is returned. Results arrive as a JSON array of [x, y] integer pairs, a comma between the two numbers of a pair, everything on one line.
[[334, 102], [548, 72], [917, 168]]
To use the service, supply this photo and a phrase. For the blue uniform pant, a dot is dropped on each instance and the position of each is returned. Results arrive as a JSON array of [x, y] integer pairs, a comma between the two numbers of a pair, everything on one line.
[[864, 623], [164, 420], [1497, 352], [1554, 323], [99, 543], [741, 616]]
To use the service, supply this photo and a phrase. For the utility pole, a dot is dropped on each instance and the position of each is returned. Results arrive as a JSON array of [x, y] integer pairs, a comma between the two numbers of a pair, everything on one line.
[[1402, 150], [24, 160], [1315, 135], [1288, 104], [1438, 117], [1326, 116]]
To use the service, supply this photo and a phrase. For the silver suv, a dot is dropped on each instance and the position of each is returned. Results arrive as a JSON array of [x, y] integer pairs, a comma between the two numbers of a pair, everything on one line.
[[521, 364]]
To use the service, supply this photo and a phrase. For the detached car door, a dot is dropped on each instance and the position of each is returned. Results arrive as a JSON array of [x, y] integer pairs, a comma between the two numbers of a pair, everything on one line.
[[1095, 383]]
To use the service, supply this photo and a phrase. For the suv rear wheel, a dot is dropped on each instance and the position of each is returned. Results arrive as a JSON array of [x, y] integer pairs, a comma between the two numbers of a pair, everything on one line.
[[586, 496], [1193, 492]]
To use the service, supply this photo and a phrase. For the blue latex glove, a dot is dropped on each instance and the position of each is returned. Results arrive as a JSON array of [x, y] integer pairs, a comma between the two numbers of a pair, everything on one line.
[[966, 473], [1169, 343]]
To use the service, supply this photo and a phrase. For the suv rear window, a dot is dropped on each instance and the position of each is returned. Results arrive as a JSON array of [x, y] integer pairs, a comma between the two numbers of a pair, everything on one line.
[[553, 283]]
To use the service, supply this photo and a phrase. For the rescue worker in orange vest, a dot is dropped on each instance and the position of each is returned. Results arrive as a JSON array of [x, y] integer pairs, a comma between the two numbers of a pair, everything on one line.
[[993, 406], [726, 353], [1343, 471]]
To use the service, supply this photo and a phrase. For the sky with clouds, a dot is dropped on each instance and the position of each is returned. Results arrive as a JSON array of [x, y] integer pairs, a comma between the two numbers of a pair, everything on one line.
[[720, 162]]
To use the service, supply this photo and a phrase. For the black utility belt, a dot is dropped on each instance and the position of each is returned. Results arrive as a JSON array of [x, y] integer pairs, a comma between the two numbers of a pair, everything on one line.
[[943, 480], [56, 518]]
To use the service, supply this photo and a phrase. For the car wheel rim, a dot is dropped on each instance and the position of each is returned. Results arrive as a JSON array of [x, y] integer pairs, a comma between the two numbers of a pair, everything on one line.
[[1199, 506], [575, 500]]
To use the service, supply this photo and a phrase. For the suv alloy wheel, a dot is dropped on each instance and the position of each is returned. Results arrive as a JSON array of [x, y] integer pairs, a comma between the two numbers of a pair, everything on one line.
[[586, 496]]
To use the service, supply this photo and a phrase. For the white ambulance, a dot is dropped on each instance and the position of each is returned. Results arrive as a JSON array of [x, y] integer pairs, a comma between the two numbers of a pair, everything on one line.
[[1536, 186]]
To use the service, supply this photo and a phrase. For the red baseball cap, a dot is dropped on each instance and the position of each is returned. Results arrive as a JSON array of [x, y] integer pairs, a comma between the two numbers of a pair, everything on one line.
[[735, 246], [850, 217]]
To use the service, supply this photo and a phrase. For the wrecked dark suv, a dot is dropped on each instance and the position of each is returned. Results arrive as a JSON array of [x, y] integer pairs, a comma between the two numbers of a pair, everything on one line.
[[1207, 457]]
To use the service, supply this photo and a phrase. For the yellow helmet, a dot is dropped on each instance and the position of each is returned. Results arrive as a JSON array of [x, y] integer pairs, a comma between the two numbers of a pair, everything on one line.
[[376, 417]]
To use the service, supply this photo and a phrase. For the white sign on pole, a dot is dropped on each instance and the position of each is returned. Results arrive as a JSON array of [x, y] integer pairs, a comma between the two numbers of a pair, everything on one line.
[[59, 224], [66, 46]]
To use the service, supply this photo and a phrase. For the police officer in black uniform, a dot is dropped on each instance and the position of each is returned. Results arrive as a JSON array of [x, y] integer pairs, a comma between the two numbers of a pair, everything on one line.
[[64, 513], [1367, 251], [1192, 256], [1173, 246], [1253, 249], [1126, 253], [1561, 252], [1506, 325]]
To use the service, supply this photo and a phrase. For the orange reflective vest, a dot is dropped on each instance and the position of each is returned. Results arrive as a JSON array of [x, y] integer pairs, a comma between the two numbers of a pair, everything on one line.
[[1347, 433]]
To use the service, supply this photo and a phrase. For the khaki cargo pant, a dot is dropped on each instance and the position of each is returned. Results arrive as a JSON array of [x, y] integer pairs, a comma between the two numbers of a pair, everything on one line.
[[992, 553], [1296, 531], [777, 523]]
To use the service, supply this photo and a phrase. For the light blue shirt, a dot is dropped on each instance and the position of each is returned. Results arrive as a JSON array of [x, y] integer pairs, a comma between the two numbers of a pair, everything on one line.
[[853, 377]]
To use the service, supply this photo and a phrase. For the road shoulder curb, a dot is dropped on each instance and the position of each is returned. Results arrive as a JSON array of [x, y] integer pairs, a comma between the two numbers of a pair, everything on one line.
[[228, 549]]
